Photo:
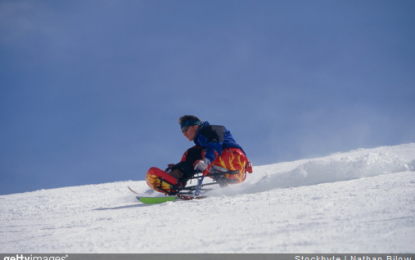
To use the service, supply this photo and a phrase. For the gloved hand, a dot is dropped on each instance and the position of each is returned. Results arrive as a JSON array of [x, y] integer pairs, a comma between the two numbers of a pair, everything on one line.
[[169, 166], [202, 165]]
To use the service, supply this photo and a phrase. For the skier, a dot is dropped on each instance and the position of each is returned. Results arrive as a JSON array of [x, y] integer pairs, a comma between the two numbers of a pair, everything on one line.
[[215, 154]]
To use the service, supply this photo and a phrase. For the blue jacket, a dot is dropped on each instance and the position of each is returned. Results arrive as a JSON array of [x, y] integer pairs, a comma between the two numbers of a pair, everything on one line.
[[214, 138]]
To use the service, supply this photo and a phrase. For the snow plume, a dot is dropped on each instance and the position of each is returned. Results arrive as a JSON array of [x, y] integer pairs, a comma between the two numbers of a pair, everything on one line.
[[343, 168]]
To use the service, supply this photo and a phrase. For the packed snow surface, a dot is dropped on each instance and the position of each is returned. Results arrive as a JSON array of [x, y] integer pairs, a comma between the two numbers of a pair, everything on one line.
[[361, 201]]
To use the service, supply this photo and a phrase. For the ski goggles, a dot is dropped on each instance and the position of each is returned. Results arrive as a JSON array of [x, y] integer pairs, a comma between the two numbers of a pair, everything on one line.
[[184, 129]]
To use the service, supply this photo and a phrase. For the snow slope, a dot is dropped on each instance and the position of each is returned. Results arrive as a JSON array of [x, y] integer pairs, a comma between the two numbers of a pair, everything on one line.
[[362, 201]]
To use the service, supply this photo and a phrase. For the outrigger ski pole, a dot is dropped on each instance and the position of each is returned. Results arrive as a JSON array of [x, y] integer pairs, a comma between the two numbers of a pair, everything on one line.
[[199, 185]]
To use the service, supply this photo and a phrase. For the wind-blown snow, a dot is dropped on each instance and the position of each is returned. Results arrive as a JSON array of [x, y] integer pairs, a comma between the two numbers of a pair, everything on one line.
[[362, 201]]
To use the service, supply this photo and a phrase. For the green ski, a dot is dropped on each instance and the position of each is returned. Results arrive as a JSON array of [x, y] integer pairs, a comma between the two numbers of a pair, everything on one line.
[[156, 200]]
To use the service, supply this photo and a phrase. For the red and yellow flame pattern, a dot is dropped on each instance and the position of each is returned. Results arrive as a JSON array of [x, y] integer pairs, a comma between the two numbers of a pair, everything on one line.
[[233, 159], [159, 180]]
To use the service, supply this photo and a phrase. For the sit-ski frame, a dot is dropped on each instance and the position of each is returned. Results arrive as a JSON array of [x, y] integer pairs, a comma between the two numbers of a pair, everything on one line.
[[193, 190]]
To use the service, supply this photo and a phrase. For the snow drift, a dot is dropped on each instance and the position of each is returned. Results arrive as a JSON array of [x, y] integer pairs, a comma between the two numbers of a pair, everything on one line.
[[362, 201]]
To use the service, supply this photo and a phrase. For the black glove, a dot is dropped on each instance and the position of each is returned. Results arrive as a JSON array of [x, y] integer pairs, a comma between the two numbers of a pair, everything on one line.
[[169, 166]]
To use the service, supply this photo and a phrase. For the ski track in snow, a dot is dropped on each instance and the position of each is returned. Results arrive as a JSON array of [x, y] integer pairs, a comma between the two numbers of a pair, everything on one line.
[[361, 201]]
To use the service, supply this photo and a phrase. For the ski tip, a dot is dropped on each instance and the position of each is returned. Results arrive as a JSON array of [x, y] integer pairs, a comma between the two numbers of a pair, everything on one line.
[[133, 191]]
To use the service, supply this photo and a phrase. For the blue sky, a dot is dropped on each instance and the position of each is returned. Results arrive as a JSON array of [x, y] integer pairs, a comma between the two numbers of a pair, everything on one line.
[[91, 91]]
